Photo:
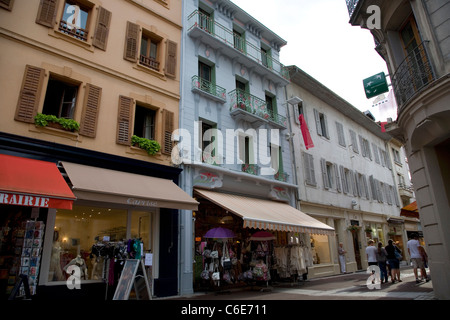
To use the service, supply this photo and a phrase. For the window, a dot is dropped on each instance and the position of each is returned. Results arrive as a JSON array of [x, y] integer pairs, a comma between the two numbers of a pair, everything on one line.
[[396, 156], [271, 105], [375, 153], [340, 132], [60, 98], [310, 176], [365, 148], [266, 58], [238, 40], [144, 122], [149, 56], [205, 21], [205, 73], [330, 175], [244, 149], [75, 20], [320, 249], [321, 124], [208, 142], [276, 160]]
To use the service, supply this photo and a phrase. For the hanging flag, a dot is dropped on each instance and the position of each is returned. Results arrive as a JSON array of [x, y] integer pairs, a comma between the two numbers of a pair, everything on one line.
[[305, 133], [383, 128]]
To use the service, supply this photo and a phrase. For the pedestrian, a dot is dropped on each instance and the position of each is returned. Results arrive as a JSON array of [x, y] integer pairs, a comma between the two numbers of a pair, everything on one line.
[[381, 259], [418, 257], [342, 253], [394, 262], [371, 253]]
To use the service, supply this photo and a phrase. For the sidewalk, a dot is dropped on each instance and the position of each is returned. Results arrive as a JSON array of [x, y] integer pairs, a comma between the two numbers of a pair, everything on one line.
[[350, 286]]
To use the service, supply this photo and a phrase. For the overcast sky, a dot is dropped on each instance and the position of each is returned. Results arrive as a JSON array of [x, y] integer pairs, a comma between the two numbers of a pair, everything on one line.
[[321, 42]]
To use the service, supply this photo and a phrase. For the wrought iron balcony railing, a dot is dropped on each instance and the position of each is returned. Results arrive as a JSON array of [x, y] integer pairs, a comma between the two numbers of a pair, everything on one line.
[[250, 168], [208, 87], [241, 100], [199, 20], [281, 176], [412, 75]]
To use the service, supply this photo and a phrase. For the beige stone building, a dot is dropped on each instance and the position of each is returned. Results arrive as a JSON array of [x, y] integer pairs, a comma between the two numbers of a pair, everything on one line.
[[413, 39], [80, 80]]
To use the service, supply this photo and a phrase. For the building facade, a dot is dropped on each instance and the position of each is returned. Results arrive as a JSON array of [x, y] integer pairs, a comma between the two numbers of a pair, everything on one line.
[[94, 88], [346, 178], [413, 39], [232, 141]]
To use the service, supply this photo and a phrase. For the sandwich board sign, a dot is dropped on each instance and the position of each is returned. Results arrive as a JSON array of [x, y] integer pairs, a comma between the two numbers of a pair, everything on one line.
[[375, 85], [133, 282]]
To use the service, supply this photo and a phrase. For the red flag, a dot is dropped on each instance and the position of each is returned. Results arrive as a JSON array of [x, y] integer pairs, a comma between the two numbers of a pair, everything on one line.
[[305, 133], [383, 129]]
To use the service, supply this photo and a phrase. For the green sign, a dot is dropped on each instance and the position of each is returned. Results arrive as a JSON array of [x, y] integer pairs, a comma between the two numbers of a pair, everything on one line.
[[375, 85]]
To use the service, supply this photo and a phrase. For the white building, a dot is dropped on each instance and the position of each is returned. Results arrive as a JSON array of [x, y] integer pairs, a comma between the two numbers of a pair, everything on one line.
[[347, 178]]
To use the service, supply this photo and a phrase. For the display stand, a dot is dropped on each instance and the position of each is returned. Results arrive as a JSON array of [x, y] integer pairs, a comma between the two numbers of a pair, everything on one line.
[[134, 277], [23, 280]]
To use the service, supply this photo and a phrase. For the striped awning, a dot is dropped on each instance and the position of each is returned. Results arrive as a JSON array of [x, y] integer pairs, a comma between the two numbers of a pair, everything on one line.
[[267, 214]]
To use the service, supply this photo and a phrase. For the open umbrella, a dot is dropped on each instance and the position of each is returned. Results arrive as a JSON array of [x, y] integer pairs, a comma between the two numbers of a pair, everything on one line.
[[262, 236], [219, 233]]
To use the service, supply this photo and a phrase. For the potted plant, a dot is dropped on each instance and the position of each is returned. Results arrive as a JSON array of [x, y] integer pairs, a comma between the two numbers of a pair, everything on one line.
[[353, 228], [44, 120], [151, 146]]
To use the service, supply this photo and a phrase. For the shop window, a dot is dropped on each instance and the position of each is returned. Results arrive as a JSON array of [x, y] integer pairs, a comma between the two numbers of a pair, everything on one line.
[[60, 99], [144, 122], [320, 249], [76, 231]]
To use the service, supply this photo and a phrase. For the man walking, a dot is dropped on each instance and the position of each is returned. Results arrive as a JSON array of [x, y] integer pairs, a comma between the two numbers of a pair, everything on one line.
[[414, 250], [371, 252]]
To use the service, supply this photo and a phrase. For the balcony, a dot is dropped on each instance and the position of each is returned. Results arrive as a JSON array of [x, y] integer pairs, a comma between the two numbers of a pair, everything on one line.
[[219, 37], [250, 168], [208, 89], [247, 107], [281, 176], [412, 75]]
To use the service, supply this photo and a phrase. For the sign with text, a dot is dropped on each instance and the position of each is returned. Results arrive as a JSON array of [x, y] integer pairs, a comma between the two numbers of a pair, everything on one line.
[[375, 85]]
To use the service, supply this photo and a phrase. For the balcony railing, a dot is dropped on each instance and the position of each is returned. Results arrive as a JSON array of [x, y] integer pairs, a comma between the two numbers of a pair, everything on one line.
[[281, 176], [255, 107], [250, 168], [208, 87], [149, 62], [78, 33], [228, 37], [413, 74]]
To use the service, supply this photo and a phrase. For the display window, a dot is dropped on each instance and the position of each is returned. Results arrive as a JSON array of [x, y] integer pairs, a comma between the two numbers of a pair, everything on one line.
[[88, 236], [320, 248]]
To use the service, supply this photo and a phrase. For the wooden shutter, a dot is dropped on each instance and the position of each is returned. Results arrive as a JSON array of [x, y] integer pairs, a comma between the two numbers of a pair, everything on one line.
[[326, 183], [30, 94], [318, 125], [171, 59], [102, 28], [124, 120], [47, 13], [338, 180], [131, 42], [168, 127], [91, 106], [343, 180], [6, 4]]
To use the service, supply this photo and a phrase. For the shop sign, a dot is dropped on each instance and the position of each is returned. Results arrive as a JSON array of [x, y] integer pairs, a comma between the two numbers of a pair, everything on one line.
[[24, 200], [142, 203]]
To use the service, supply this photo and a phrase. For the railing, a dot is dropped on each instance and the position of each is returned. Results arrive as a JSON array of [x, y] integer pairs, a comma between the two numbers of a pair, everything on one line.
[[351, 5], [218, 31], [281, 176], [255, 106], [208, 87], [250, 168], [413, 74], [78, 33], [149, 62]]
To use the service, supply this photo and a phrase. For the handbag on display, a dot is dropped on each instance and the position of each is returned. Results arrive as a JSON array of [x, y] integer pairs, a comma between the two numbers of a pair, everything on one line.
[[205, 273], [214, 253], [225, 261]]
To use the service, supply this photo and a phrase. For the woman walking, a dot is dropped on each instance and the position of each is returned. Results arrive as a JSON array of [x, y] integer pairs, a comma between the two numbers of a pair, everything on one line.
[[394, 263], [381, 259]]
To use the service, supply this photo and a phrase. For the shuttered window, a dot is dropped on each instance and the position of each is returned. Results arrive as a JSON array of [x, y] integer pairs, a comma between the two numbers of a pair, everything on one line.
[[310, 176], [46, 15], [6, 4], [30, 94], [102, 28], [321, 124], [91, 106], [354, 141], [131, 42], [171, 59], [168, 127], [340, 132], [124, 120]]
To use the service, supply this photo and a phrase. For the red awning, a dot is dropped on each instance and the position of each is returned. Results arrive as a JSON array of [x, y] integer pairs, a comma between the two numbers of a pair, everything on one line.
[[33, 183], [410, 210]]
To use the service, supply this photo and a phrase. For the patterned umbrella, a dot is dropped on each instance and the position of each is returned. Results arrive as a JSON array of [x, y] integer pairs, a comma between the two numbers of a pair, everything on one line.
[[219, 233]]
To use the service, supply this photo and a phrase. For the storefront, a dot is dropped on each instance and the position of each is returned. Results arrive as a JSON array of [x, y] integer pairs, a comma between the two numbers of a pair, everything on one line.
[[263, 240], [28, 189], [117, 214]]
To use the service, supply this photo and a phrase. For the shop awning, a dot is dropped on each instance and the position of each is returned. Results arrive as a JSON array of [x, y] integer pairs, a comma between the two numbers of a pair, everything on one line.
[[410, 210], [33, 183], [267, 214], [104, 185]]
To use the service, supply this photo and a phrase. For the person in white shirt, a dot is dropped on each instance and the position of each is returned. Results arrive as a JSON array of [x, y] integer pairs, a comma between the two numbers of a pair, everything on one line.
[[415, 251], [371, 252], [342, 253]]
